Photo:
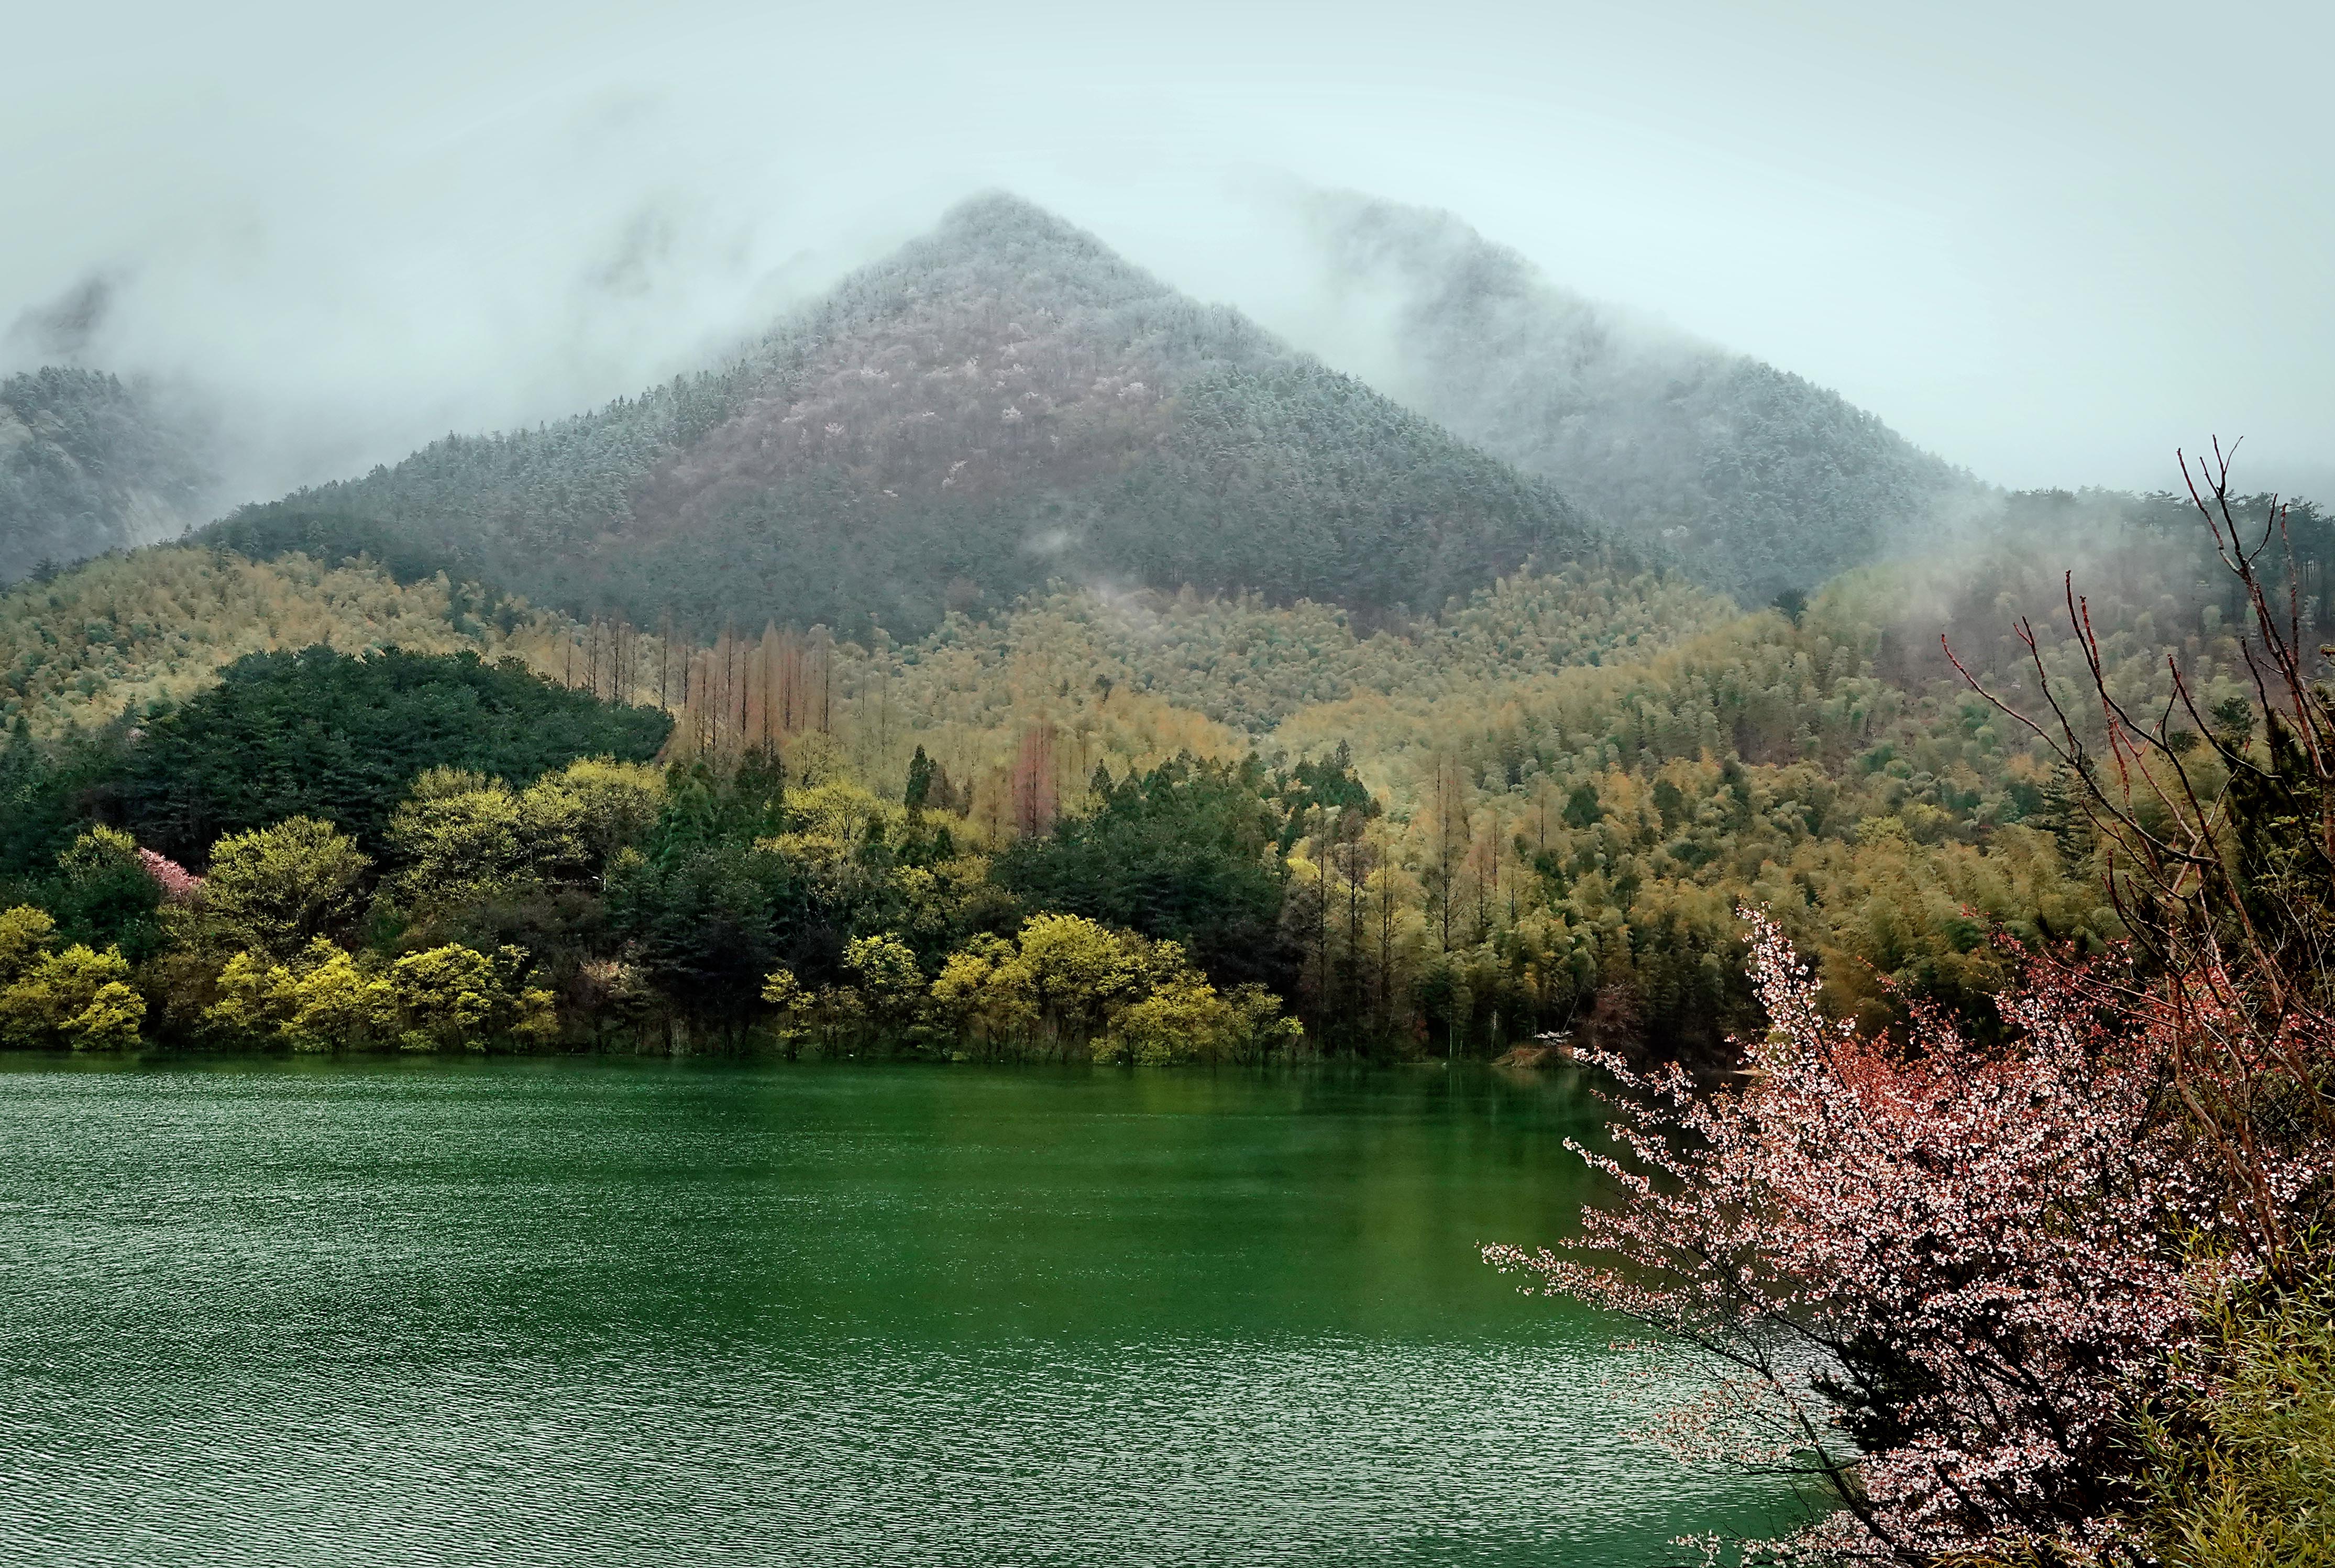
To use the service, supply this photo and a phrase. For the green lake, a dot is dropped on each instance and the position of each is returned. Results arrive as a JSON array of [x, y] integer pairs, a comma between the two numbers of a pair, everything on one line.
[[556, 1312]]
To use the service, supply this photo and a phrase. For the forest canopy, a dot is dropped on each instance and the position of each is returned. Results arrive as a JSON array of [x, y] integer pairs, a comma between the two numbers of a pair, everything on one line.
[[322, 734]]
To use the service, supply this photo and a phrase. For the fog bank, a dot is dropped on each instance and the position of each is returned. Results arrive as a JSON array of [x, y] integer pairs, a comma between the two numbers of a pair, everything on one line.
[[2032, 244]]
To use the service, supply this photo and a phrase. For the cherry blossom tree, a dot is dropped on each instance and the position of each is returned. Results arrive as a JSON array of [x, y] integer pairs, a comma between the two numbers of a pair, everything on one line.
[[1956, 1283], [179, 885], [1939, 1278], [2220, 842]]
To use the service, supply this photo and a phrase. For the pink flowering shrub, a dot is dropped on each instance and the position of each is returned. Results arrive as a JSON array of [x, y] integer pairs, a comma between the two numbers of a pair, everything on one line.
[[1942, 1279], [179, 885]]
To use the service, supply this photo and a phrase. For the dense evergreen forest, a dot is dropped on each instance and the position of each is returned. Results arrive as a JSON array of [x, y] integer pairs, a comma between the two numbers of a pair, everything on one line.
[[88, 465], [1758, 481], [1003, 402]]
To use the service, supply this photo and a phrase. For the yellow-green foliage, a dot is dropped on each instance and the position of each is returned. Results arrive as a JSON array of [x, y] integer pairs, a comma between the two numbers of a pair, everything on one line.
[[1582, 775], [1587, 832], [321, 1000], [75, 997], [26, 934], [1832, 765], [1248, 665], [1757, 686], [453, 996], [1923, 915], [1068, 980], [886, 991], [445, 997], [833, 823], [794, 1010], [275, 889], [1129, 680], [1184, 1018], [131, 631], [605, 804], [887, 971], [462, 836], [1064, 975], [2246, 1478]]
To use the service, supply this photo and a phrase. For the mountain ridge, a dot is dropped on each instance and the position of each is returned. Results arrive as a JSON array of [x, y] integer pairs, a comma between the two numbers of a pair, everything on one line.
[[1763, 481], [1003, 401]]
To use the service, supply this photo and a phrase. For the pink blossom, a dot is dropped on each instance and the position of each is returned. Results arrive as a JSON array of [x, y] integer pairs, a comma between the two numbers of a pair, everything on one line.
[[1938, 1275], [179, 885]]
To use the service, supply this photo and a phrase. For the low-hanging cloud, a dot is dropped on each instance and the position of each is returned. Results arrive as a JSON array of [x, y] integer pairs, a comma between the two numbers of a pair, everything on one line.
[[354, 238]]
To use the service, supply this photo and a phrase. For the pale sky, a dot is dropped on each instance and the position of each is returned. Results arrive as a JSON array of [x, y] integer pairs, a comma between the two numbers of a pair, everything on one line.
[[2049, 241]]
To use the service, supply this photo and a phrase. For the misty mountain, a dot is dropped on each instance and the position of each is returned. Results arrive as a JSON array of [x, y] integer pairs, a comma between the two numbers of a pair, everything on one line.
[[1001, 402], [1760, 480], [88, 464]]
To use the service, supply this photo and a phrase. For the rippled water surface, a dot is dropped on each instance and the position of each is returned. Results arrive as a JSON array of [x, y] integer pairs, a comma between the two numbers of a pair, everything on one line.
[[521, 1312]]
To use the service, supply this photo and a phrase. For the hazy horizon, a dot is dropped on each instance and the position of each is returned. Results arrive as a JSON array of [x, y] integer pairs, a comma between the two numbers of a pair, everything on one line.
[[2029, 244]]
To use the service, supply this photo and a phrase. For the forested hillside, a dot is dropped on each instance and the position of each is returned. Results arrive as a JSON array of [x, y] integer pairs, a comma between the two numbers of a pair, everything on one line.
[[1760, 480], [88, 465], [1564, 839], [1538, 810], [999, 404], [128, 633]]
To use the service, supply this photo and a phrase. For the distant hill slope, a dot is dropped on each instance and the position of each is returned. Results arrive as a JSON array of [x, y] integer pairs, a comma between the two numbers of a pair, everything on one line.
[[88, 465], [151, 627], [999, 404], [1760, 479]]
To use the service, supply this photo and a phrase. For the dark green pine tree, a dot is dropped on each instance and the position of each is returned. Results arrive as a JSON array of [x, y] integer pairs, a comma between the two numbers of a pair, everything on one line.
[[919, 790]]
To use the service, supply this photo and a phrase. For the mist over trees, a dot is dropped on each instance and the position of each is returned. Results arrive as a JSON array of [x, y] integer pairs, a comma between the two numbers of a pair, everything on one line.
[[88, 464], [1757, 480], [1001, 402]]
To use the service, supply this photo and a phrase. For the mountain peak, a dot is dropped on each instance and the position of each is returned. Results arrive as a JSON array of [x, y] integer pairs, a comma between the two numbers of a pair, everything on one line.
[[998, 243], [990, 213], [1003, 401]]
